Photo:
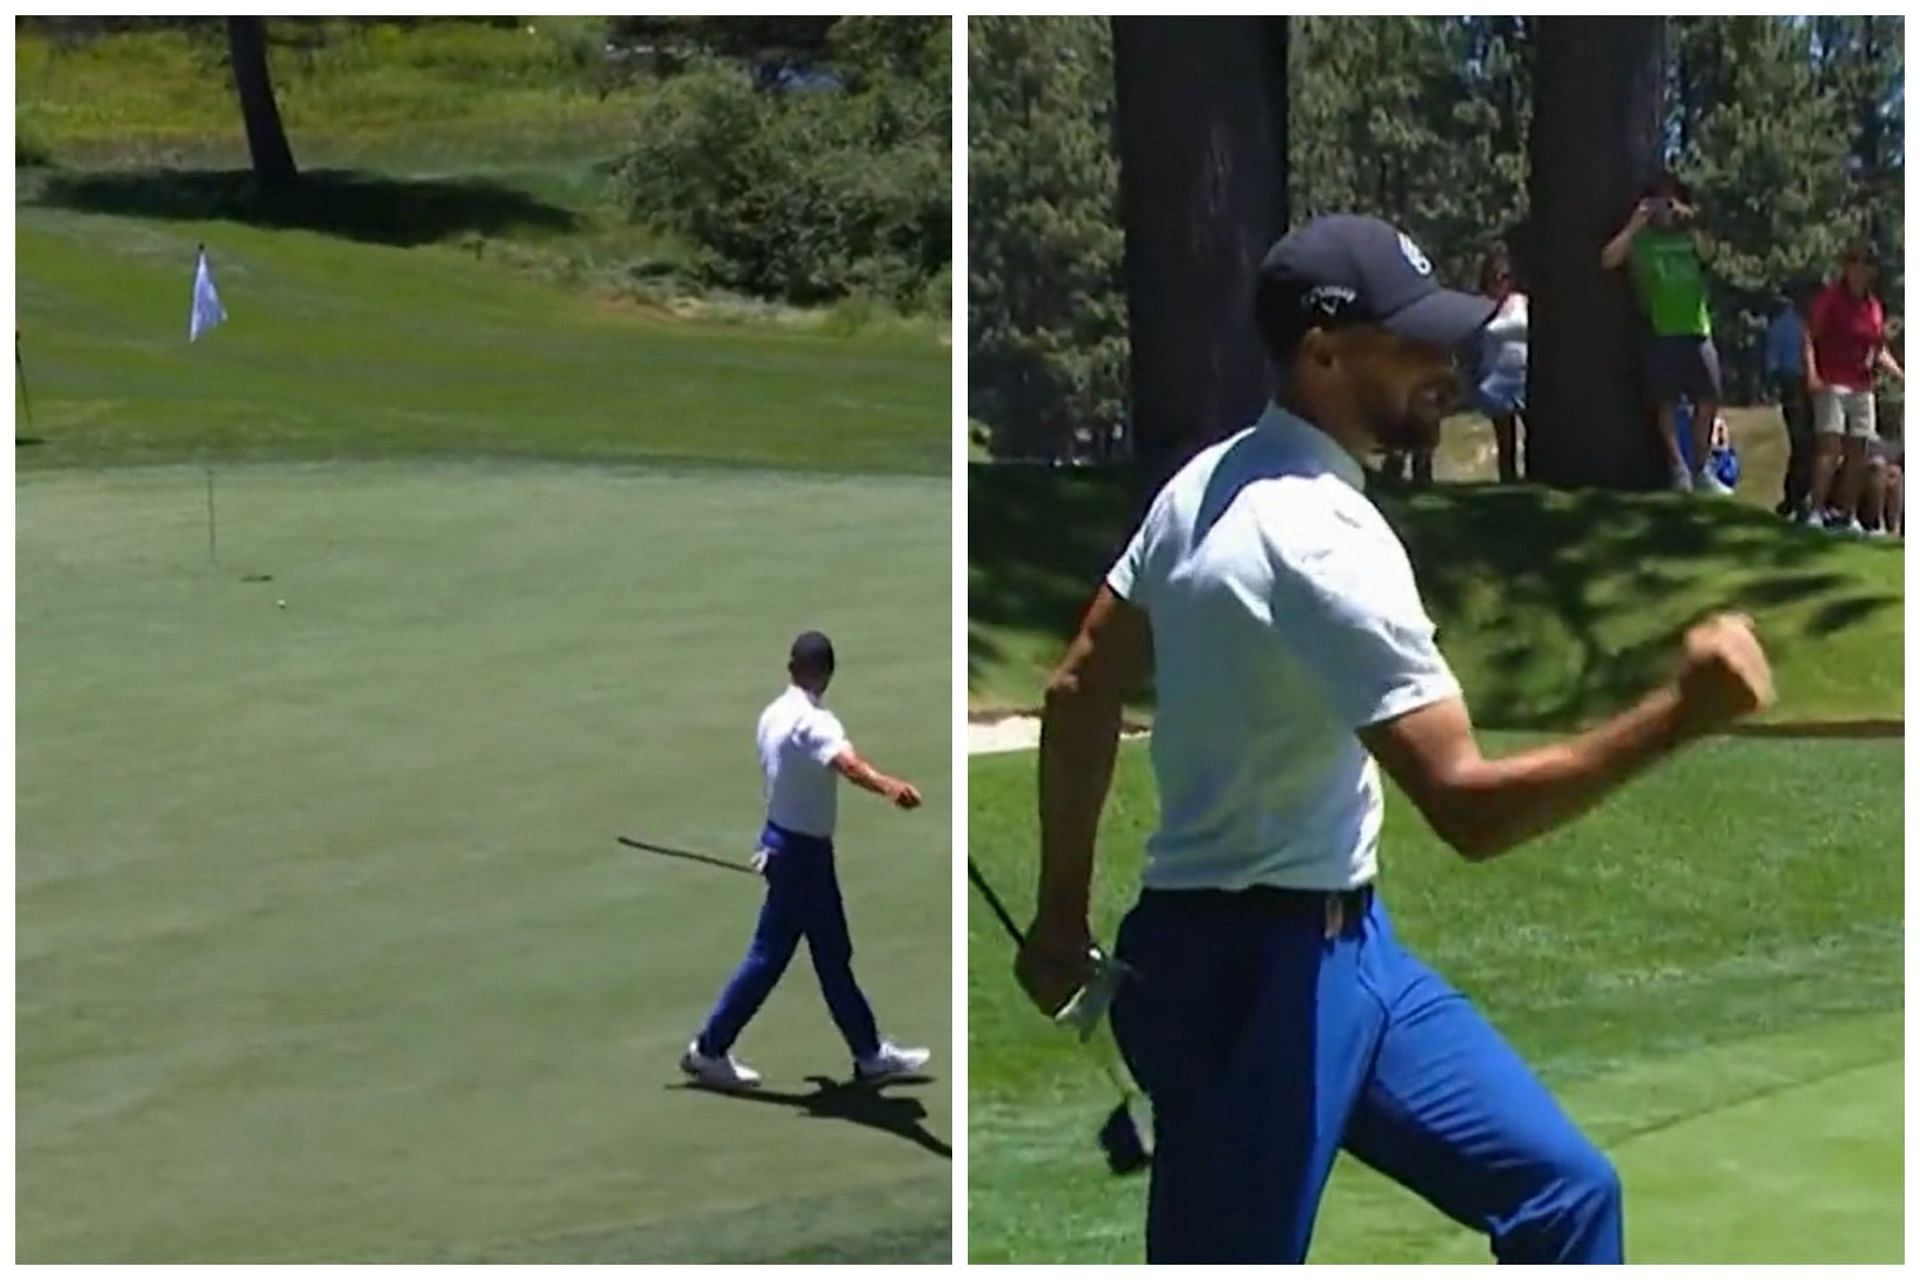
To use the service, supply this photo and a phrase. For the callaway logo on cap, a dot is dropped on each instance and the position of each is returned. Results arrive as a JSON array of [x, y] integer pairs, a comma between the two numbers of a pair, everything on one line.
[[1346, 269]]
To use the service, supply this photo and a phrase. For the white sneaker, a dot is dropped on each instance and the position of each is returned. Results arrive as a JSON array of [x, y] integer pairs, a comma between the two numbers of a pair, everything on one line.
[[890, 1062], [1879, 531], [1707, 482], [1813, 520], [1680, 479], [723, 1072], [1852, 528]]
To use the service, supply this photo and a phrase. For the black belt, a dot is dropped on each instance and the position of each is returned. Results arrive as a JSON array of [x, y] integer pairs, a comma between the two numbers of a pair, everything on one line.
[[1334, 907]]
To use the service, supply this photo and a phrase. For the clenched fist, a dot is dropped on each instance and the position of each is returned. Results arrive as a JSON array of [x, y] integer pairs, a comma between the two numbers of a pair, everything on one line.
[[1724, 673]]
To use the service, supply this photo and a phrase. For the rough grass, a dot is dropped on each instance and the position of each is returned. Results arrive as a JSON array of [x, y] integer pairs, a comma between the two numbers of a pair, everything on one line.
[[168, 93]]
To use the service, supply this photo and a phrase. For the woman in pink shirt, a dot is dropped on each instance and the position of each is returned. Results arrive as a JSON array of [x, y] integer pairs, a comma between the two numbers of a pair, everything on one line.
[[1846, 343]]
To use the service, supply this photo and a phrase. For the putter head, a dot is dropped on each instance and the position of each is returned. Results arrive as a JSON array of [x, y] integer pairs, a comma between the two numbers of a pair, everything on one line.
[[1125, 1149], [1089, 1004]]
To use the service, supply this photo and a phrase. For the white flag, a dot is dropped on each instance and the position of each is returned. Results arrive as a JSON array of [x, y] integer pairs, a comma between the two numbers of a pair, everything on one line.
[[207, 311]]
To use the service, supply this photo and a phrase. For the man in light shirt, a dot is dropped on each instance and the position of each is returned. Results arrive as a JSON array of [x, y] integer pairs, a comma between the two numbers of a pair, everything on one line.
[[804, 752], [1274, 1018]]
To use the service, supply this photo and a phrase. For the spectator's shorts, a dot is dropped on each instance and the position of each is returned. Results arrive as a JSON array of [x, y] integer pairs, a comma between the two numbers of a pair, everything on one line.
[[1683, 365], [1838, 411]]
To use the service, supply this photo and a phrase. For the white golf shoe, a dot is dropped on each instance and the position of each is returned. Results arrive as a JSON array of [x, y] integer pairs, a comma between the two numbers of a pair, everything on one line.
[[722, 1072], [890, 1063], [1707, 482]]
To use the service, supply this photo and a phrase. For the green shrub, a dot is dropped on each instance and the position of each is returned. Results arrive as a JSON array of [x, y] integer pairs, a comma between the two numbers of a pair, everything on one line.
[[808, 198], [30, 146]]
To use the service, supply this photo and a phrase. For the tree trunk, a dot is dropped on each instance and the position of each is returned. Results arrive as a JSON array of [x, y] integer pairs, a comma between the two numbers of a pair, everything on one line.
[[266, 136], [1595, 142], [1201, 117]]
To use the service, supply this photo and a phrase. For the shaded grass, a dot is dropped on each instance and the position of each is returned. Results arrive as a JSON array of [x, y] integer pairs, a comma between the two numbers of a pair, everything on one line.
[[358, 206], [1554, 608], [1640, 961]]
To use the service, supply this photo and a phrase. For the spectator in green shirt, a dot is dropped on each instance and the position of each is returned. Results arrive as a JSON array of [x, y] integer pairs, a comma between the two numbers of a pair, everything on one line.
[[1660, 244]]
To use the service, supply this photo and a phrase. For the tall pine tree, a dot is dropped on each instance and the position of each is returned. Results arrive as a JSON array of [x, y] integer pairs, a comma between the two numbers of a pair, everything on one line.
[[1046, 316], [1767, 160]]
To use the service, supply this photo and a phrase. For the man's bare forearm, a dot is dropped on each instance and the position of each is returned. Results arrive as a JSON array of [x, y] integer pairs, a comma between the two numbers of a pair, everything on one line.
[[1079, 737], [1498, 805], [857, 770], [1483, 808], [1614, 252]]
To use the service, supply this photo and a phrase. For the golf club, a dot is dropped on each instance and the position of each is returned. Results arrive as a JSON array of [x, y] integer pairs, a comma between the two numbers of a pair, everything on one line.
[[1120, 1139], [20, 371], [725, 864]]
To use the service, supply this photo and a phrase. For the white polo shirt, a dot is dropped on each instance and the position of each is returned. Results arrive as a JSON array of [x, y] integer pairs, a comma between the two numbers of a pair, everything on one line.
[[1284, 618], [799, 740]]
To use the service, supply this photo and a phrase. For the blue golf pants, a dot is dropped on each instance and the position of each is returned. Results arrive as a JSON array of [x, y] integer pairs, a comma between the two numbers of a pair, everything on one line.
[[803, 901], [1267, 1045]]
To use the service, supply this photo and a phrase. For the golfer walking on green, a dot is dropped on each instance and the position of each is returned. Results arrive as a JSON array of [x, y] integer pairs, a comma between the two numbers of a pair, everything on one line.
[[804, 752]]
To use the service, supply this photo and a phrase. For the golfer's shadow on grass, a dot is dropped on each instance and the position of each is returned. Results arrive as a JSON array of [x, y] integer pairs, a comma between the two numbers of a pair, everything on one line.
[[849, 1100]]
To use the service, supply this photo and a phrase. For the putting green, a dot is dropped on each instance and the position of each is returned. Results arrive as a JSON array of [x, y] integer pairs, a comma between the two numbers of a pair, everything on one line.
[[1811, 1174], [325, 950], [1779, 1149]]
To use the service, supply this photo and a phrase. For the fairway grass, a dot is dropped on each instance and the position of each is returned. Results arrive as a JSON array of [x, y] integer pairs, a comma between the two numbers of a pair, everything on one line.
[[1707, 971], [325, 949], [340, 350]]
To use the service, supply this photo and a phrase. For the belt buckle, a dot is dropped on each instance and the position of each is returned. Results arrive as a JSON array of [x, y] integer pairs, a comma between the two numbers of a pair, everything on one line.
[[1336, 913]]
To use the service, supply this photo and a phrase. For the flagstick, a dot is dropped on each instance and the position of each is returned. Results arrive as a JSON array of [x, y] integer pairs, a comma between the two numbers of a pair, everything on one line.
[[206, 313], [212, 559]]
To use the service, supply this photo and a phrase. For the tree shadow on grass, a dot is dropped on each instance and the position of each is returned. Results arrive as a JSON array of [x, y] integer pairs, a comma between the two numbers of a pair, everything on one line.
[[1570, 566], [371, 207], [1551, 582], [849, 1100], [1041, 540]]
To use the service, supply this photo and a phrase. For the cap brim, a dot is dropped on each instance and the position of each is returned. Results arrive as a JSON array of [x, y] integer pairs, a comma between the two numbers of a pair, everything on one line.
[[1444, 318]]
